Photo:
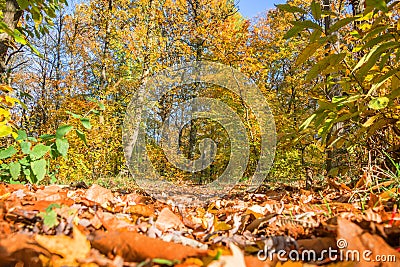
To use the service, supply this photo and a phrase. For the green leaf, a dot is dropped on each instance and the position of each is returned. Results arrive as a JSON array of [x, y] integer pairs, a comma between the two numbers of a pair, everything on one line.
[[307, 53], [326, 105], [75, 116], [378, 4], [23, 4], [32, 139], [49, 218], [62, 146], [82, 136], [63, 130], [34, 49], [39, 169], [292, 32], [101, 106], [15, 169], [291, 9], [19, 38], [8, 152], [86, 123], [27, 173], [24, 162], [36, 15], [5, 130], [165, 262], [341, 23], [377, 40], [331, 60], [323, 131], [316, 10], [347, 116], [307, 122], [337, 99], [46, 137], [26, 147], [39, 151], [53, 206], [307, 24], [315, 36], [378, 103], [21, 135], [370, 59]]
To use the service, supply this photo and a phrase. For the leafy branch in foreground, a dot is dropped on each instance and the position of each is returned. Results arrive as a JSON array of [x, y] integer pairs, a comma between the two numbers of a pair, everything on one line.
[[357, 67], [27, 159]]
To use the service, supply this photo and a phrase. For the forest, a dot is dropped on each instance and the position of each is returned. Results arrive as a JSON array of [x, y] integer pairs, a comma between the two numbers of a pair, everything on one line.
[[117, 117]]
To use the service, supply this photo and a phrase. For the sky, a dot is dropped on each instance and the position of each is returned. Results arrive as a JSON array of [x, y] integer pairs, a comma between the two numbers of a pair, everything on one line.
[[250, 8]]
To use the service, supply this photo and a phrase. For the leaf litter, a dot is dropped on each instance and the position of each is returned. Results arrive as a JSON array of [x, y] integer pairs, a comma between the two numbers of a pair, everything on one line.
[[63, 226]]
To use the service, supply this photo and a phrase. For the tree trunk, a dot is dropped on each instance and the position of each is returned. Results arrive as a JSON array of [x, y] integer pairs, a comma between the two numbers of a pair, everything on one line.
[[332, 154], [11, 16]]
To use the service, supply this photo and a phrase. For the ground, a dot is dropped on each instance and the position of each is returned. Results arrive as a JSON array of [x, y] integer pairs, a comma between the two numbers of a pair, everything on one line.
[[77, 226]]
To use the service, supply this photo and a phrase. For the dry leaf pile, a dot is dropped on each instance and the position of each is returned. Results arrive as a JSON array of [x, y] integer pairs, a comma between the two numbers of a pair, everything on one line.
[[64, 226]]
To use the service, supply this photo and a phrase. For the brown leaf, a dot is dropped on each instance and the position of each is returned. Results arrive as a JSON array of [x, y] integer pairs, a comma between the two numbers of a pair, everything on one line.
[[51, 193], [192, 221], [3, 190], [360, 240], [99, 194], [317, 244], [140, 209], [42, 205], [20, 248], [111, 222], [135, 247], [134, 199], [168, 220], [373, 200], [71, 249]]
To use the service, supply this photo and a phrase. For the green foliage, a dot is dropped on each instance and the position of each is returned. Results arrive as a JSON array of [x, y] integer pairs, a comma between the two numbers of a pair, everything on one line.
[[40, 13], [27, 160], [363, 65], [50, 215]]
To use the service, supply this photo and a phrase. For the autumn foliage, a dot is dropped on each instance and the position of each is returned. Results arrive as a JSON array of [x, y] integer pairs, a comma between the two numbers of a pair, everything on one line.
[[329, 70]]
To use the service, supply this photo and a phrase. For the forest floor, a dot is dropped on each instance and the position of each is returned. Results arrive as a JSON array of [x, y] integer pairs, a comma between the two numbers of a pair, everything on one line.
[[79, 226]]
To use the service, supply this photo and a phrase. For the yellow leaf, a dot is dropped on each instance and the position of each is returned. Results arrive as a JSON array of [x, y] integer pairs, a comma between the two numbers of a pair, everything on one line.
[[395, 81], [221, 226], [370, 121], [388, 194], [5, 130], [11, 100], [5, 88], [4, 113]]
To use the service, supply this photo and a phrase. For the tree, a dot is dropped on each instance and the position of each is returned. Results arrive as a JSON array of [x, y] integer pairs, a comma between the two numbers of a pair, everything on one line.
[[37, 12], [358, 58]]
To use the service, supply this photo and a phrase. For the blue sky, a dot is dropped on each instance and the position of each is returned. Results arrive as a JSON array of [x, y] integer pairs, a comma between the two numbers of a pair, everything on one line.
[[250, 8]]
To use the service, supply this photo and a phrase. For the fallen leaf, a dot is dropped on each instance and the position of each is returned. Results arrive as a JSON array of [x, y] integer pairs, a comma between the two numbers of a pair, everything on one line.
[[136, 247], [70, 249], [20, 248], [168, 220], [140, 209], [99, 194], [50, 193], [355, 238], [234, 260], [111, 222]]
